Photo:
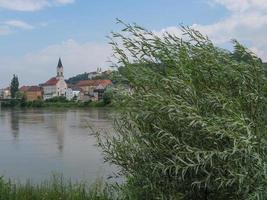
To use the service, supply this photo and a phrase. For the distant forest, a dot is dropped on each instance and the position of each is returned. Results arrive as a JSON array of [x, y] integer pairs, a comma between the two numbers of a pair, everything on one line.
[[85, 76], [77, 78]]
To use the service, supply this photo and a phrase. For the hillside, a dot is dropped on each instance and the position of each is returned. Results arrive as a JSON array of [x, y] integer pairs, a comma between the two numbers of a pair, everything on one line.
[[77, 78]]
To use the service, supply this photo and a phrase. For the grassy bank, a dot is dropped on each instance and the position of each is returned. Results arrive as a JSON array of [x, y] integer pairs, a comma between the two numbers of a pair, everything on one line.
[[55, 189], [65, 104]]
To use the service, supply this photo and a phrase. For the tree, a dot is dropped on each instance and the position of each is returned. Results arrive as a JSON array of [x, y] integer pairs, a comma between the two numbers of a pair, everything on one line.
[[107, 96], [194, 124], [14, 87], [77, 78]]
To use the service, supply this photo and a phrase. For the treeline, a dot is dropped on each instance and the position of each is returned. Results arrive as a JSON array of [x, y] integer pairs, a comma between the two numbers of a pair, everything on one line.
[[77, 78], [85, 76], [59, 102]]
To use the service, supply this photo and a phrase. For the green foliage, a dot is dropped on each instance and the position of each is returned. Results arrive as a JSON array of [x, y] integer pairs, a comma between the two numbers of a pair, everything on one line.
[[92, 104], [118, 77], [55, 189], [114, 76], [102, 76], [23, 101], [12, 103], [14, 86], [107, 96], [85, 104], [194, 124], [77, 78], [35, 104], [57, 99]]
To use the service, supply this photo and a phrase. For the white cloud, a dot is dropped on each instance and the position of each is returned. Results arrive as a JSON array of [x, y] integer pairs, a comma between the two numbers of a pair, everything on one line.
[[31, 5], [8, 27], [246, 22], [40, 66], [172, 30], [242, 5], [64, 1], [19, 24], [246, 27]]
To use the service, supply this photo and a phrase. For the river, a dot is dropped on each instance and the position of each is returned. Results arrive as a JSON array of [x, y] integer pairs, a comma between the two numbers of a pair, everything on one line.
[[36, 143]]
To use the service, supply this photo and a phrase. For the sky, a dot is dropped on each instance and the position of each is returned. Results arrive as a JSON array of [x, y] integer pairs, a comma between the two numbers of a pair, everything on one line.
[[35, 33]]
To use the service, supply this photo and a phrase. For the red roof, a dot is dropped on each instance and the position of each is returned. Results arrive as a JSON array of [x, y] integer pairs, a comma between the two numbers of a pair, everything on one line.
[[94, 83], [24, 88], [70, 85], [51, 82], [34, 89]]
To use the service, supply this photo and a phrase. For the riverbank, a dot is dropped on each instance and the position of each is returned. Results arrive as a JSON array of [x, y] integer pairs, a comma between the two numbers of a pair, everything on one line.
[[47, 104], [56, 188]]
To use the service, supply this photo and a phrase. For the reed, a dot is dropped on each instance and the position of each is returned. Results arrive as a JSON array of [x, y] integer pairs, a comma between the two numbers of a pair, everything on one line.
[[57, 188]]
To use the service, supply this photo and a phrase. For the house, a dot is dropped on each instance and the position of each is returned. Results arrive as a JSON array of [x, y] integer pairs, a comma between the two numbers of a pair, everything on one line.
[[34, 93], [99, 92], [73, 93], [24, 88], [91, 88], [1, 93], [92, 75], [5, 93], [56, 86]]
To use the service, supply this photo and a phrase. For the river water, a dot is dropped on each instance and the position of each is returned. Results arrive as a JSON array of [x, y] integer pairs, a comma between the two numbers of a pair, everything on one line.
[[36, 143]]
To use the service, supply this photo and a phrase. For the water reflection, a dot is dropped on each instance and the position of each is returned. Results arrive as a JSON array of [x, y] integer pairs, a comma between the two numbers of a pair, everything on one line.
[[51, 141], [57, 126], [14, 121]]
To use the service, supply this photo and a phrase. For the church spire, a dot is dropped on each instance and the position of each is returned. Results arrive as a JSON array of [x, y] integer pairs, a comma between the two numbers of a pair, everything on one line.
[[60, 69], [59, 65]]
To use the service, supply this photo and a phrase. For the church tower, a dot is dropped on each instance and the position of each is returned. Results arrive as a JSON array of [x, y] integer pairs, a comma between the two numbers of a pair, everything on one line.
[[60, 70]]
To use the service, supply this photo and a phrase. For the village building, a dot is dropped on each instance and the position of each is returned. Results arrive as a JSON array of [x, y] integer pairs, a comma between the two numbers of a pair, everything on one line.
[[95, 74], [24, 88], [93, 89], [5, 93], [73, 93], [56, 86], [99, 92], [34, 93]]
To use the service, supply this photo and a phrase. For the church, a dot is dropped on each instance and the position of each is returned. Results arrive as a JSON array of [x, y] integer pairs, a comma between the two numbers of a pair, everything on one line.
[[56, 86]]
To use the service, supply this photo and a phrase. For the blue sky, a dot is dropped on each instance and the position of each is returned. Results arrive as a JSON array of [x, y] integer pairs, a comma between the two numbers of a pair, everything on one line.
[[34, 33]]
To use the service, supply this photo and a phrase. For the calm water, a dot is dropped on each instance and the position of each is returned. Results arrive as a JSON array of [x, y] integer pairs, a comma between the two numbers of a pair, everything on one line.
[[36, 143]]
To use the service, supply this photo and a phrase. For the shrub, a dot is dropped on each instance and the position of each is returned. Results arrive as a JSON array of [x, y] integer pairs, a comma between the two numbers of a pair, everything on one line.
[[57, 99], [107, 96], [37, 103], [193, 125]]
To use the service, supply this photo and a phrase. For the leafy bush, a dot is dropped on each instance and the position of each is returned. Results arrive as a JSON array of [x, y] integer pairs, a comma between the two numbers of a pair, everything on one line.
[[57, 99], [37, 103], [11, 103], [107, 96], [194, 124]]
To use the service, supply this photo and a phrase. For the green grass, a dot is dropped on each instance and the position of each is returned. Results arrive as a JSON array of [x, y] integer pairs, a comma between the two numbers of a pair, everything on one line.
[[55, 189]]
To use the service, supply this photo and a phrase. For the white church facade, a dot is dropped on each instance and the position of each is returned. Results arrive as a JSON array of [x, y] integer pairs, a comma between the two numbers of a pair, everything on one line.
[[56, 86]]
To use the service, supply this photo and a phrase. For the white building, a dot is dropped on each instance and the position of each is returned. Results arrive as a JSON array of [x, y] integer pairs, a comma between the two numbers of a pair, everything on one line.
[[73, 93], [5, 93], [56, 86], [92, 75]]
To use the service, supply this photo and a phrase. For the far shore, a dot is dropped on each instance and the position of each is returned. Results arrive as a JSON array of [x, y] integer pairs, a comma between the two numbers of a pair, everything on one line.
[[68, 104]]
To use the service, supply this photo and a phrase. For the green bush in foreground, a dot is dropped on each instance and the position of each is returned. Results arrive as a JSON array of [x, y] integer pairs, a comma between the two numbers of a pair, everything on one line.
[[193, 125], [56, 189]]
